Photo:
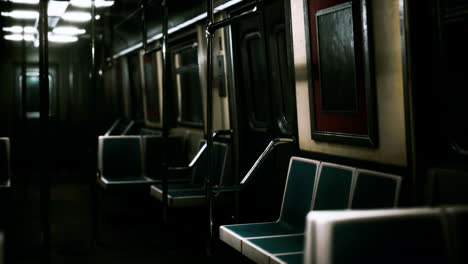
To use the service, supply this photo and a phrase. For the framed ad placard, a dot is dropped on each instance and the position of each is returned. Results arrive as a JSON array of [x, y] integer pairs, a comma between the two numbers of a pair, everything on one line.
[[341, 73]]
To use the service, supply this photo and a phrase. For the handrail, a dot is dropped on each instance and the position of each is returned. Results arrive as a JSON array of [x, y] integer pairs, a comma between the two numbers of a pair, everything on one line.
[[210, 30], [155, 49], [228, 21], [114, 125], [202, 150], [128, 127], [127, 18], [219, 133], [458, 149], [260, 160], [271, 146]]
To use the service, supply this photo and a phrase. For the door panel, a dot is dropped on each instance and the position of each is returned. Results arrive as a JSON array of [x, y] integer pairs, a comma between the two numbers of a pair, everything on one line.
[[265, 107]]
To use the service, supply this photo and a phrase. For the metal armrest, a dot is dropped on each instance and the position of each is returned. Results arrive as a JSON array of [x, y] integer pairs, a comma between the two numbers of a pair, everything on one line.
[[219, 133], [224, 189], [260, 160]]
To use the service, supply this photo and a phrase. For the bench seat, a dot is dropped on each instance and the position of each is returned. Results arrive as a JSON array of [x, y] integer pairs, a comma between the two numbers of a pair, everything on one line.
[[410, 235], [291, 258], [5, 168], [311, 185], [262, 250], [193, 193], [261, 241], [236, 235], [124, 181], [181, 195]]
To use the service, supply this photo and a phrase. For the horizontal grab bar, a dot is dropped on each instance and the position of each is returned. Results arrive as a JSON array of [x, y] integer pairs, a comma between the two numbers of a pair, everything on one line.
[[200, 152], [114, 125], [260, 160], [271, 146], [155, 49], [228, 21]]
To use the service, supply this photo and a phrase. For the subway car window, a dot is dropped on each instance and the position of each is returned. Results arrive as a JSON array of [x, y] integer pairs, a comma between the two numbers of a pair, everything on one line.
[[151, 88], [31, 96], [186, 81], [135, 86]]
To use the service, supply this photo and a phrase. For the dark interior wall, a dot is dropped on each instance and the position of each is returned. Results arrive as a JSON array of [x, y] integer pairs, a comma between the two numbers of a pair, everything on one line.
[[73, 89], [74, 115]]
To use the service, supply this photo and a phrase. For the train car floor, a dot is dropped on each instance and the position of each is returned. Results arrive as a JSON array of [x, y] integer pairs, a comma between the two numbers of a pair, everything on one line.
[[131, 229]]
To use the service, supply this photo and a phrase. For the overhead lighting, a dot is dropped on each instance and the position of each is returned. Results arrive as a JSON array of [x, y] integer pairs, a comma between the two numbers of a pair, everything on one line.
[[97, 17], [29, 2], [57, 8], [62, 38], [87, 3], [19, 29], [70, 31], [19, 37], [30, 30], [22, 14], [77, 16], [13, 29]]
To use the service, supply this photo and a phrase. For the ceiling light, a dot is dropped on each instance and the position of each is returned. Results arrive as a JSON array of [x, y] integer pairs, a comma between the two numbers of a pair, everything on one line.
[[13, 29], [87, 3], [97, 17], [31, 2], [62, 38], [76, 16], [19, 29], [30, 30], [19, 37], [68, 31], [57, 8], [22, 14]]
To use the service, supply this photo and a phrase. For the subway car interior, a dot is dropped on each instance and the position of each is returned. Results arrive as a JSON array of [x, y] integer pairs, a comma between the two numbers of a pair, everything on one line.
[[233, 131]]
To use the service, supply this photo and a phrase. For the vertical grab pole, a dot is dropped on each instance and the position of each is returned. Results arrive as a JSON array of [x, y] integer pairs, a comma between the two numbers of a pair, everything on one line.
[[44, 125], [165, 84], [23, 76], [144, 33], [94, 186], [209, 114]]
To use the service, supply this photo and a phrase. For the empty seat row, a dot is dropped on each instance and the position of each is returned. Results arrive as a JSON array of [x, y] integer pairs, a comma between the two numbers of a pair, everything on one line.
[[5, 169], [135, 160], [125, 161], [411, 235], [193, 192], [311, 185]]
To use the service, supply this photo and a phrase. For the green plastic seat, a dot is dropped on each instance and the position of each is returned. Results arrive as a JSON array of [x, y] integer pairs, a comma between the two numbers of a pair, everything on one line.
[[290, 258], [193, 193], [120, 161], [5, 170], [413, 235], [333, 187], [297, 201], [375, 190], [273, 245], [153, 150]]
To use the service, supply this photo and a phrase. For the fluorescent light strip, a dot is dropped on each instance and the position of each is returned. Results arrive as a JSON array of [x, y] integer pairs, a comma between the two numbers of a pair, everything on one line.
[[13, 29], [226, 5], [87, 3], [19, 29], [19, 37], [77, 16], [177, 28], [29, 2], [22, 14], [62, 38], [70, 31]]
